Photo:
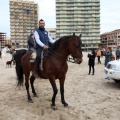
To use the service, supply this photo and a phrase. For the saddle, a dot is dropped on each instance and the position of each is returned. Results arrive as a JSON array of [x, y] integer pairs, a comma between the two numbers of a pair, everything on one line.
[[44, 55]]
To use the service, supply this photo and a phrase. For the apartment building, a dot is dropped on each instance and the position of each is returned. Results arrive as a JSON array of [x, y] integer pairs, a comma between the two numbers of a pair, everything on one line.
[[52, 32], [81, 17], [23, 20], [110, 39], [2, 39]]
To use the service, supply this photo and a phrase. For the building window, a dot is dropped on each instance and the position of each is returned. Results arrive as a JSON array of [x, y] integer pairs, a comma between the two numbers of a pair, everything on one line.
[[27, 11], [35, 12]]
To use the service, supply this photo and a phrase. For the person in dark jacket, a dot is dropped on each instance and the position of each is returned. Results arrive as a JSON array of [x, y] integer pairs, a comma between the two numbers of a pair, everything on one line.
[[42, 39], [117, 52], [31, 43], [91, 62]]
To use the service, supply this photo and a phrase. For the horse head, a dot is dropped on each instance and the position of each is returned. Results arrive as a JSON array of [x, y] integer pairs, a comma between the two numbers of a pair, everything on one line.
[[75, 47]]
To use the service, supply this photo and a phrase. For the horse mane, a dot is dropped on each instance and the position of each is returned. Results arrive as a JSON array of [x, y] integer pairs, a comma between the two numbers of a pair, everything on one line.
[[56, 44]]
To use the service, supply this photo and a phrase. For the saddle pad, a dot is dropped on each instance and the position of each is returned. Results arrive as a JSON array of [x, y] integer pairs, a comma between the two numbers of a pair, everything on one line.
[[32, 60], [33, 55]]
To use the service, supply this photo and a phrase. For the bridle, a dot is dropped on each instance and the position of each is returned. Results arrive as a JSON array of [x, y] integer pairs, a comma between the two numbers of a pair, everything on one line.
[[78, 46], [50, 51]]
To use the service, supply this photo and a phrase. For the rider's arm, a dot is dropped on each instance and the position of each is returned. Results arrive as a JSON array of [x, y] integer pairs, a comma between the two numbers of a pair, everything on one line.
[[37, 38], [50, 39]]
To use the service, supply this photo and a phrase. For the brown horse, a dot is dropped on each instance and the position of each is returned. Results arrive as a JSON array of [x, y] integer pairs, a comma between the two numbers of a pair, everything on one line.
[[54, 66]]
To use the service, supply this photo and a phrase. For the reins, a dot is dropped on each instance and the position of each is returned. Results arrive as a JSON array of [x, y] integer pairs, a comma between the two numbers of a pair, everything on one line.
[[56, 54]]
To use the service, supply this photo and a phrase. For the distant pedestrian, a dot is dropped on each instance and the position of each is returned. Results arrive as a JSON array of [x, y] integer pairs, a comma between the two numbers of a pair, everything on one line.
[[91, 62], [0, 52], [31, 43], [101, 53], [108, 55], [117, 52], [98, 56]]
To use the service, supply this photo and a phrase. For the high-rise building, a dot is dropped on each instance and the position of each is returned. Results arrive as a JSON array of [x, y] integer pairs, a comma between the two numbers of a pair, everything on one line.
[[23, 20], [52, 32], [81, 17], [2, 39]]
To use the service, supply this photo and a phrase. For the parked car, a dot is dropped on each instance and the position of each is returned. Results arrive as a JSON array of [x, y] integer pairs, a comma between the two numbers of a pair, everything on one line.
[[112, 70]]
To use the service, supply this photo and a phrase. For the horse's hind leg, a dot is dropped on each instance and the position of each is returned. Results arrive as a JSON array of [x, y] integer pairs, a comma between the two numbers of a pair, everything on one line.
[[62, 80], [32, 78], [27, 86]]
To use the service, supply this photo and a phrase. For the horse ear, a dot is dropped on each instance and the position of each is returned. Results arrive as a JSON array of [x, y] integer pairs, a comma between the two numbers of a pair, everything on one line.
[[73, 34], [80, 35]]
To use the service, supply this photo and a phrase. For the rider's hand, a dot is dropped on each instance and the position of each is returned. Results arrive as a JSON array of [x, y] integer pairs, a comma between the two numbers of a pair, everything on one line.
[[45, 47]]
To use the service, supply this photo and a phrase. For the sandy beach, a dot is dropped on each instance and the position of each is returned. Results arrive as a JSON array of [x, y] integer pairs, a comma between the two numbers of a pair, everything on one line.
[[90, 97]]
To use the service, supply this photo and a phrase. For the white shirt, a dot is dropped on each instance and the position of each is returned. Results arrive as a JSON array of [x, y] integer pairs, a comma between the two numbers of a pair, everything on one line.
[[37, 38]]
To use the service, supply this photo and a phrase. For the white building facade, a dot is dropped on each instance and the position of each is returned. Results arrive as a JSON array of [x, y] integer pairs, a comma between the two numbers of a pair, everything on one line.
[[81, 17], [23, 20]]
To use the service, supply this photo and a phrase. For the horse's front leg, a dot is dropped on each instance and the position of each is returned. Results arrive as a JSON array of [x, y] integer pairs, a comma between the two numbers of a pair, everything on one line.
[[62, 80], [32, 79], [27, 86], [55, 91]]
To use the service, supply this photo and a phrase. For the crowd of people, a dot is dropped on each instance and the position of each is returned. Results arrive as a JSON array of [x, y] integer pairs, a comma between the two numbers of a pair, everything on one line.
[[107, 52]]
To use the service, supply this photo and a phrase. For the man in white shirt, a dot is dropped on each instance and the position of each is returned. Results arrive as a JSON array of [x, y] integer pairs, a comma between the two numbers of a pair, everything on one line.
[[42, 40]]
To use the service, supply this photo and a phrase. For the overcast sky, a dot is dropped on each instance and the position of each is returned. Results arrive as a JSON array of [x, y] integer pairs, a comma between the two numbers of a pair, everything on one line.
[[109, 14]]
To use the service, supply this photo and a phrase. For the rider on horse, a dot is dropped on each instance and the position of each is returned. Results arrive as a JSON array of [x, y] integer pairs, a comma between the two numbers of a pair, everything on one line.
[[42, 39]]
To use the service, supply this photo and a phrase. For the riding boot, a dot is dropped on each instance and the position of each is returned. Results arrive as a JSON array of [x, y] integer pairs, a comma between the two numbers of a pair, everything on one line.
[[36, 69]]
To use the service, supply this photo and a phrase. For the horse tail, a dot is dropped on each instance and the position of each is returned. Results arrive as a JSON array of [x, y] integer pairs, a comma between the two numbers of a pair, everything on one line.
[[19, 70]]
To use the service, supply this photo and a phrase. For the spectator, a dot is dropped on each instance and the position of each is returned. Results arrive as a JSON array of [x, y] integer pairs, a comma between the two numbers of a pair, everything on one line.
[[91, 62], [0, 52], [98, 55], [108, 57], [117, 52], [108, 54], [101, 53]]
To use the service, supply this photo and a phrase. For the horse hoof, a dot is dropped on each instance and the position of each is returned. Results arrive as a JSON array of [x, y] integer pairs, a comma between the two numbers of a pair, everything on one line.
[[65, 105], [35, 95], [53, 107], [30, 101]]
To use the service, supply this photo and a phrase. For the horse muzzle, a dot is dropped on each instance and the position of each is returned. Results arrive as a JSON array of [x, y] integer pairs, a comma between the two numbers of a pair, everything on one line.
[[79, 60]]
